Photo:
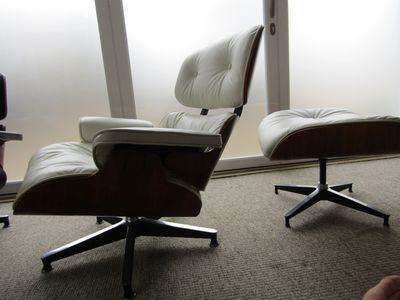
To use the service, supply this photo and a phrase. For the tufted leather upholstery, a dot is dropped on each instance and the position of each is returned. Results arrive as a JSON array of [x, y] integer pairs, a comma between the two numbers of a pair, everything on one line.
[[217, 76]]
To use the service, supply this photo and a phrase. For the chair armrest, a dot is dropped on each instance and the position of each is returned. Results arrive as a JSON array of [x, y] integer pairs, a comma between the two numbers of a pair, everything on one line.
[[105, 140], [158, 137], [90, 126]]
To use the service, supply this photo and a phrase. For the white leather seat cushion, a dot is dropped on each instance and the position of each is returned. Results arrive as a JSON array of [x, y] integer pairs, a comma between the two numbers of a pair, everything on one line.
[[57, 161], [276, 126]]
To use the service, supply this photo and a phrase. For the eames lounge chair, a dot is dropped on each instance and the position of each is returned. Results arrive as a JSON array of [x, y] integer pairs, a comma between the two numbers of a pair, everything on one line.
[[128, 168]]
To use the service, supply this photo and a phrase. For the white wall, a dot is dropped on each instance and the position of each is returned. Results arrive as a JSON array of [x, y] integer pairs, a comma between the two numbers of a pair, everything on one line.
[[50, 53], [345, 53], [162, 33]]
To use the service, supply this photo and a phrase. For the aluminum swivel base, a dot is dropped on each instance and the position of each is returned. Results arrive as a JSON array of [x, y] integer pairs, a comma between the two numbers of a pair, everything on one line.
[[128, 229], [325, 192]]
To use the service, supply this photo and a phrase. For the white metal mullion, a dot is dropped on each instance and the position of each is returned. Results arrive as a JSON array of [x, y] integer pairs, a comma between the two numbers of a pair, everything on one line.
[[117, 67], [277, 54]]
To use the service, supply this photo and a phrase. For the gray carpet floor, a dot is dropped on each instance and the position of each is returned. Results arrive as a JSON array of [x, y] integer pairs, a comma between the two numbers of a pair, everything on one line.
[[331, 252]]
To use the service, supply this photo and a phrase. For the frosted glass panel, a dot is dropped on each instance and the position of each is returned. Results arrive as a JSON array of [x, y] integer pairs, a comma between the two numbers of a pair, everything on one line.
[[51, 56], [345, 53], [160, 36]]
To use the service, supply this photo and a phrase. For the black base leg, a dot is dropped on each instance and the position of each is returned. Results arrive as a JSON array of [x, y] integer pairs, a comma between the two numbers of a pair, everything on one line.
[[342, 187], [100, 238], [357, 205], [338, 198], [5, 220], [109, 220], [309, 201], [325, 192], [127, 270], [151, 227], [298, 189]]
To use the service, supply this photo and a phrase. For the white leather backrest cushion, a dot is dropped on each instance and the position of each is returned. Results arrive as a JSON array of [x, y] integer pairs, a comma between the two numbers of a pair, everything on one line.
[[215, 77], [187, 121]]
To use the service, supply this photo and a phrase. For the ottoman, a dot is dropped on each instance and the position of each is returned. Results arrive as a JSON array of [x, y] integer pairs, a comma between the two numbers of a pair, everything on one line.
[[322, 134]]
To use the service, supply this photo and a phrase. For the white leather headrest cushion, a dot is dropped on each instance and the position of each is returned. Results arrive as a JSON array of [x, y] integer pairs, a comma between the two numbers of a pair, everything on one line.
[[215, 77]]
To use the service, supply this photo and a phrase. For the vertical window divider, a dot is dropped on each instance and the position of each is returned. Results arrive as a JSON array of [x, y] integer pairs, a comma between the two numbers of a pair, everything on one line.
[[117, 67], [276, 41]]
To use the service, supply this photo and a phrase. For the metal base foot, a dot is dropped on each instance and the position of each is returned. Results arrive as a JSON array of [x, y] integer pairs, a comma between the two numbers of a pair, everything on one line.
[[214, 243], [5, 219], [46, 267], [287, 223], [129, 293], [386, 221]]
